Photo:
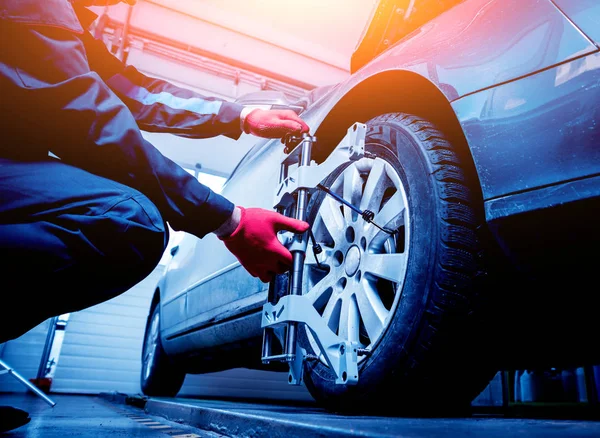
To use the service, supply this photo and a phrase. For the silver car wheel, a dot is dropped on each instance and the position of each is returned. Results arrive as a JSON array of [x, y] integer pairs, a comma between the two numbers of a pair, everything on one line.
[[151, 345], [358, 281]]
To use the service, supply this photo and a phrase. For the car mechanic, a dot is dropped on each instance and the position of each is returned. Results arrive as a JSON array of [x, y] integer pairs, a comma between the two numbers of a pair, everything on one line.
[[85, 199]]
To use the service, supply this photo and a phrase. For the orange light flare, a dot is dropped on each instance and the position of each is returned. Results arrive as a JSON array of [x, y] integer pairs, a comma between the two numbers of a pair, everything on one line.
[[306, 26]]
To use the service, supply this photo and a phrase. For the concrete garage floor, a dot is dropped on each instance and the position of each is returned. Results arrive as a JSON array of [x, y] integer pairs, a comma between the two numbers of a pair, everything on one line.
[[90, 417], [116, 415]]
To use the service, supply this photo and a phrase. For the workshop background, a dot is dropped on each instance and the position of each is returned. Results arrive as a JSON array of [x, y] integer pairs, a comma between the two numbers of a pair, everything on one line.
[[253, 46]]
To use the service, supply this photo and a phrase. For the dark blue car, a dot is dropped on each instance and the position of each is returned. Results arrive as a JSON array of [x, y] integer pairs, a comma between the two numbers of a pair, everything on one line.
[[483, 141]]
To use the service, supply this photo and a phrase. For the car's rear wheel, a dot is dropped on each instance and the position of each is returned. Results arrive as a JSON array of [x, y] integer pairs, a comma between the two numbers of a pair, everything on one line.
[[159, 376], [407, 299]]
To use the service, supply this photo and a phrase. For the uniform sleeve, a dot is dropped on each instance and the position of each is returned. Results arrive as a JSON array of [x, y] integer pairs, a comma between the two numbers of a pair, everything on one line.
[[52, 101], [159, 106]]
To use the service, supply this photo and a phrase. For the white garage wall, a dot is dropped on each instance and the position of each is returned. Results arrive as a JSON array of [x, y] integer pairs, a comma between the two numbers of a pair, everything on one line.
[[102, 346], [23, 355]]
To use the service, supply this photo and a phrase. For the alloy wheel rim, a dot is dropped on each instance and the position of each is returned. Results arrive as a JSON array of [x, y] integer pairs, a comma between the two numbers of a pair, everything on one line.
[[151, 345], [357, 284]]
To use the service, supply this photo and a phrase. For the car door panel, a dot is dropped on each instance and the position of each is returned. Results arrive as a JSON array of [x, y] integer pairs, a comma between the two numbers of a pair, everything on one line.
[[173, 316], [226, 295], [219, 281], [174, 283], [535, 132]]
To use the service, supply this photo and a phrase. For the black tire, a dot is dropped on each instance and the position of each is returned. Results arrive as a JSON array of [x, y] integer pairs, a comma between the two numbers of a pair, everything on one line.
[[164, 378], [428, 360]]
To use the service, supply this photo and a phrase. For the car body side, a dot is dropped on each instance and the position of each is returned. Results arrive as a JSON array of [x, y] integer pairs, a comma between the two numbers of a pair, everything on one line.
[[514, 84]]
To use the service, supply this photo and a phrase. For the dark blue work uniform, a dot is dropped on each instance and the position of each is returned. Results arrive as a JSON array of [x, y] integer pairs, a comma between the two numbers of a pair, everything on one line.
[[82, 228]]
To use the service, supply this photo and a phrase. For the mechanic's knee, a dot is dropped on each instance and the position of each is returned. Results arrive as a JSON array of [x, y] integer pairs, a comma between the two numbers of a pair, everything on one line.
[[125, 245], [144, 233]]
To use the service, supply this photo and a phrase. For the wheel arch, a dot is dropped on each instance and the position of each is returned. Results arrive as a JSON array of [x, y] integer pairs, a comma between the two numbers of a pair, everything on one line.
[[396, 91]]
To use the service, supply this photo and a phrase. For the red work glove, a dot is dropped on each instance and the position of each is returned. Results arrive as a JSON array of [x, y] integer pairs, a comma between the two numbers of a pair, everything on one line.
[[254, 242], [274, 123]]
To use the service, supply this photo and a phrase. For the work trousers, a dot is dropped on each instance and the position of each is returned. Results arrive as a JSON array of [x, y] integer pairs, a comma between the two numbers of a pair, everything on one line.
[[69, 240]]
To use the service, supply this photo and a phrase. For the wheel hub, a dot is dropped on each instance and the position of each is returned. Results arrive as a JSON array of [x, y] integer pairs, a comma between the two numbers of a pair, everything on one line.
[[352, 260]]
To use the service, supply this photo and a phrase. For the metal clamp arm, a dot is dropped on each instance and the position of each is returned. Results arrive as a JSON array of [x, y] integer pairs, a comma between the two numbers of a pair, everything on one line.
[[352, 147], [340, 355], [281, 320]]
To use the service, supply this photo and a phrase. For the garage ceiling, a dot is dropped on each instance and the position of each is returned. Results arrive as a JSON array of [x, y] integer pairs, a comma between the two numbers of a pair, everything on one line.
[[327, 30]]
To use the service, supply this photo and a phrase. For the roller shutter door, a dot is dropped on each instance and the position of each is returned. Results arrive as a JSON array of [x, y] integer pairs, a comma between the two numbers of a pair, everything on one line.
[[102, 345]]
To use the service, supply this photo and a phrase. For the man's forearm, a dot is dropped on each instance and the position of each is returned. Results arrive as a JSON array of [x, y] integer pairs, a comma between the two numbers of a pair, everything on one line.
[[160, 106]]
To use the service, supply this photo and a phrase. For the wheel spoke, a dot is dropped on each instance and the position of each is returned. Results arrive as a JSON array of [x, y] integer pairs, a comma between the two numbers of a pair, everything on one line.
[[387, 266], [331, 314], [349, 320], [316, 292], [352, 192], [324, 257], [372, 311], [332, 218], [391, 216], [155, 330], [375, 187]]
